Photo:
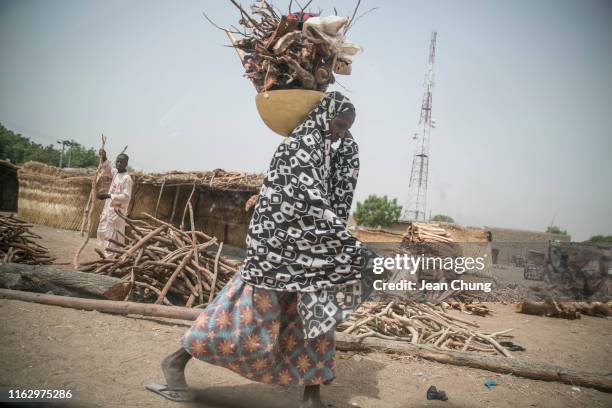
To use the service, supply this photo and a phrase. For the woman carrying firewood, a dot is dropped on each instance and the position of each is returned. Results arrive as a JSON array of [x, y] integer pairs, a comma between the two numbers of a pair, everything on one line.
[[304, 272]]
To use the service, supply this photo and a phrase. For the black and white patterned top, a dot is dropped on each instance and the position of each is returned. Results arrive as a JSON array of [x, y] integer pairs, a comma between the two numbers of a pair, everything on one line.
[[297, 239]]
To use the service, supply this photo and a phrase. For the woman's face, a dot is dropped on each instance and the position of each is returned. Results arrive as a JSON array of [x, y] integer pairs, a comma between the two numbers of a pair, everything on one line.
[[340, 125]]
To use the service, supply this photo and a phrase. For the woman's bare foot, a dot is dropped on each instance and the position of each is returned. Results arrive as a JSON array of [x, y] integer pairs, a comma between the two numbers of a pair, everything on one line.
[[173, 367], [312, 397]]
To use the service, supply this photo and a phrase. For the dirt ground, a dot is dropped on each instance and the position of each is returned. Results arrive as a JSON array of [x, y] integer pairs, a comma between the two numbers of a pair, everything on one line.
[[106, 360]]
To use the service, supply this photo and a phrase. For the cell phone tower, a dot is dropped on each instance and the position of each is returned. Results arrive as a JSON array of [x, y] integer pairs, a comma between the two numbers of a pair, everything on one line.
[[415, 208]]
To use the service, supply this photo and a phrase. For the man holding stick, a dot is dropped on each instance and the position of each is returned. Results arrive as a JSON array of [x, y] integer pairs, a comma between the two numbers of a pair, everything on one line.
[[112, 226]]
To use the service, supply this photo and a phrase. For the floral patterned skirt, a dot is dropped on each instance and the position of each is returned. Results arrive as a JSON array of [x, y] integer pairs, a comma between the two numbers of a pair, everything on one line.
[[258, 334]]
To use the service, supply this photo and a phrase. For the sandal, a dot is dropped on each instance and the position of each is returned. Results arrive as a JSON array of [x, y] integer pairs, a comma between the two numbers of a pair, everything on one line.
[[173, 394]]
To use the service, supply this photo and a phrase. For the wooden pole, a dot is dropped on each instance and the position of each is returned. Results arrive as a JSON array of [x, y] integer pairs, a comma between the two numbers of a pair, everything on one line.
[[172, 278], [108, 306], [84, 220], [89, 209], [176, 196], [216, 273], [187, 205], [161, 191], [532, 370]]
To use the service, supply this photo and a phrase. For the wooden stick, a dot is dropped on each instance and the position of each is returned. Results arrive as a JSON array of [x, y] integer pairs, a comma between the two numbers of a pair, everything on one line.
[[216, 273], [532, 370], [173, 277], [154, 290], [161, 190], [133, 274], [196, 255], [143, 241], [92, 195], [84, 220], [187, 205], [176, 195], [109, 306]]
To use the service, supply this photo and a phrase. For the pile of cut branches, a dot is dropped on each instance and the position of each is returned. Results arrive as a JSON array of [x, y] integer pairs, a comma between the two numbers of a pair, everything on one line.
[[170, 265], [299, 50], [420, 323], [421, 232], [17, 243]]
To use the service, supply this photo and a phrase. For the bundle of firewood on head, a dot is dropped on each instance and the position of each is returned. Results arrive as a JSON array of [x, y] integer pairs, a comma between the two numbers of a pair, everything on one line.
[[169, 265], [17, 243], [422, 324], [299, 50]]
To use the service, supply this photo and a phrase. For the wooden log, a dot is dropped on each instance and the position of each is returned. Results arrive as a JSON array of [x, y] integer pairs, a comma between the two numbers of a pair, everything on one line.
[[531, 370], [549, 308], [108, 306], [45, 279]]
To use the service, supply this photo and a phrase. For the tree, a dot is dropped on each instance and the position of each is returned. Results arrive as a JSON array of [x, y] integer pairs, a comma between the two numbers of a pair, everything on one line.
[[82, 156], [553, 229], [601, 238], [377, 212], [442, 218], [19, 149]]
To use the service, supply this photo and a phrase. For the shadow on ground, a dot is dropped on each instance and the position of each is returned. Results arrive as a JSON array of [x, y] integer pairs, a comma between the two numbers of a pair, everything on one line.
[[257, 395]]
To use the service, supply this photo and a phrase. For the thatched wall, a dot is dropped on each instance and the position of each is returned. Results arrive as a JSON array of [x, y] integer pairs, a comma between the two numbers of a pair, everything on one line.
[[57, 198], [9, 186], [220, 213]]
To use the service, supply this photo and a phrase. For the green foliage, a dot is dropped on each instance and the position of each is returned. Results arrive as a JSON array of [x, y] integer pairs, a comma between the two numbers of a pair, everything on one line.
[[80, 156], [555, 230], [442, 218], [377, 212], [20, 149], [601, 238]]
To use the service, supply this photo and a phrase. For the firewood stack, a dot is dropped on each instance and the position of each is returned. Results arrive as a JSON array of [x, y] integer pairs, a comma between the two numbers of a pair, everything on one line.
[[169, 265], [420, 232], [17, 243], [299, 50], [421, 323]]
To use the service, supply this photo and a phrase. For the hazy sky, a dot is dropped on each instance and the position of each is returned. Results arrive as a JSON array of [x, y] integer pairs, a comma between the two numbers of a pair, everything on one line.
[[523, 97]]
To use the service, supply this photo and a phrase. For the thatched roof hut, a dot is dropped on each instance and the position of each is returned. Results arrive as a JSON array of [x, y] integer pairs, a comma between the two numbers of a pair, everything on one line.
[[218, 198], [8, 186], [58, 197], [54, 197]]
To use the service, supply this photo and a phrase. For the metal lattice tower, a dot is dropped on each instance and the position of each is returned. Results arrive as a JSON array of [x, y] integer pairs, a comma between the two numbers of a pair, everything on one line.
[[417, 199]]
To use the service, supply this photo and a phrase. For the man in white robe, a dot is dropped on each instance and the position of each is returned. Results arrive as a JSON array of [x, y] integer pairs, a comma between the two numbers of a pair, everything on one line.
[[111, 225]]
